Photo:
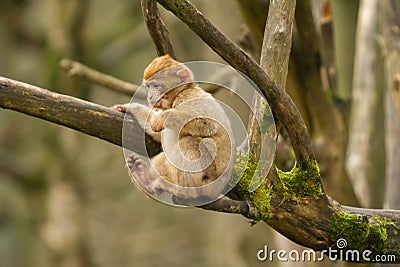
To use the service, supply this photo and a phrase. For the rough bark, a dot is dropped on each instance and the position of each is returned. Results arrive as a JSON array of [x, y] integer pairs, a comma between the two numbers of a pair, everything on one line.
[[86, 117]]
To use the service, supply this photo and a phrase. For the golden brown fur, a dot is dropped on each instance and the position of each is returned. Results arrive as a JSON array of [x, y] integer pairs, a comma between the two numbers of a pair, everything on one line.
[[159, 63], [193, 125]]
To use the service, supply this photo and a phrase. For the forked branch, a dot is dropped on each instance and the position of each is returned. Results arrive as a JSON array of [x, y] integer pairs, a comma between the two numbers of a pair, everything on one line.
[[281, 104]]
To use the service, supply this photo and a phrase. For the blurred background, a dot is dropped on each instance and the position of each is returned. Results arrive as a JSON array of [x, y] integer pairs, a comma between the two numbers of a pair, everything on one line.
[[66, 198]]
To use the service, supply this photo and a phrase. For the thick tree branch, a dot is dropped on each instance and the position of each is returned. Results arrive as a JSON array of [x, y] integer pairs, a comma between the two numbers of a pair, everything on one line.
[[77, 114], [327, 126], [157, 30], [277, 43], [389, 25], [281, 104]]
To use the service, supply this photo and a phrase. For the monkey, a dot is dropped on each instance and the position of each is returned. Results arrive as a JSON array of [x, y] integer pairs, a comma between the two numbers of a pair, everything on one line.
[[194, 131]]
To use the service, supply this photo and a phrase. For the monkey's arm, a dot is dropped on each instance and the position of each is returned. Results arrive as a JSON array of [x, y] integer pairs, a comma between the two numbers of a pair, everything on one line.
[[185, 122], [142, 114], [158, 119]]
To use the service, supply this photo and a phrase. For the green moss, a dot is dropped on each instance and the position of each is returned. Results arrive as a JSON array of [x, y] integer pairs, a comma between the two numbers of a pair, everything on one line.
[[302, 180], [354, 228], [380, 231], [246, 168], [360, 232]]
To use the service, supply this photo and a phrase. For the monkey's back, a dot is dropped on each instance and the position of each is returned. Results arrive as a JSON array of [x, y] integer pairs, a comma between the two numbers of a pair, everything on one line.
[[207, 136]]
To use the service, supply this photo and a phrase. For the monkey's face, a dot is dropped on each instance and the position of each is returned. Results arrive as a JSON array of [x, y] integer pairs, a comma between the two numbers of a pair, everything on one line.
[[162, 94], [155, 93], [165, 85]]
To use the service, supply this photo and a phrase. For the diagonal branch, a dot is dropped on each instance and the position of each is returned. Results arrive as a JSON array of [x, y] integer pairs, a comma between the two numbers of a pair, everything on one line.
[[281, 104], [156, 28]]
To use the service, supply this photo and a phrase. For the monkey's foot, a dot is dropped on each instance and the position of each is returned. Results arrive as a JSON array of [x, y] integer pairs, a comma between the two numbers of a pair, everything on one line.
[[138, 169]]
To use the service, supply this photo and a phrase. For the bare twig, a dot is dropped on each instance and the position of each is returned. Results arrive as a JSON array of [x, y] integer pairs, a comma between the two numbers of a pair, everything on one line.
[[157, 30], [76, 69], [281, 104]]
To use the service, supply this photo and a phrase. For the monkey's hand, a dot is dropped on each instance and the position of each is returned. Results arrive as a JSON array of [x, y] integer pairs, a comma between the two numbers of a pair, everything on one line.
[[120, 107], [158, 119], [139, 111]]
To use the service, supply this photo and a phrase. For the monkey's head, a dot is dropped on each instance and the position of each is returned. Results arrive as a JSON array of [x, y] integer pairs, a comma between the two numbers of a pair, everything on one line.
[[164, 79]]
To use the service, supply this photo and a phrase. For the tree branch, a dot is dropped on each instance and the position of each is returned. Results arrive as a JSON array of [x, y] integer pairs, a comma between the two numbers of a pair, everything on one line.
[[77, 114], [255, 13], [76, 69], [227, 205], [277, 41], [157, 29], [327, 125]]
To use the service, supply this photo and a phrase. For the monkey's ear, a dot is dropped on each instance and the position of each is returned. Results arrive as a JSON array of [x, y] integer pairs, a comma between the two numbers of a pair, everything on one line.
[[185, 75]]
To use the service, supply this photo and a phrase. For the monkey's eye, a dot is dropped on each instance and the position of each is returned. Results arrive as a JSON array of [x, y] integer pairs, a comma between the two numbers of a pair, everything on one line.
[[154, 86]]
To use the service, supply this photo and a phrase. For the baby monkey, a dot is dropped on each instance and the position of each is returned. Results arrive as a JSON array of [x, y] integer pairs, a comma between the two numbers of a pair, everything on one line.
[[194, 130]]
